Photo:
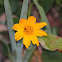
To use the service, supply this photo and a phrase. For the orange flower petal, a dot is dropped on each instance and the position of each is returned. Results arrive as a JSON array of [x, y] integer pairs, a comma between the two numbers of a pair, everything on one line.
[[18, 35], [29, 30], [39, 32], [34, 40], [31, 20], [39, 25], [26, 41], [17, 27], [23, 22]]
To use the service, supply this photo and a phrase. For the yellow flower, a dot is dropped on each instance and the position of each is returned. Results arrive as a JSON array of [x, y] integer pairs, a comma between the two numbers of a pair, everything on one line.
[[29, 30]]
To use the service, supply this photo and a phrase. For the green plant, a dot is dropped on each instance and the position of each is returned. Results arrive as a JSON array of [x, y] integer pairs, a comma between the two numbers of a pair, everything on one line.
[[50, 42]]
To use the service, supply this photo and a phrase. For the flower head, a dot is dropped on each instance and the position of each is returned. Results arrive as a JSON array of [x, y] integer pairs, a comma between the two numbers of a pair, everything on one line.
[[29, 30]]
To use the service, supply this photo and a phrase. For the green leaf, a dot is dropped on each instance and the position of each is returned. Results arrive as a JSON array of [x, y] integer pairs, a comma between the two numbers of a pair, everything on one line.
[[50, 56], [51, 42], [24, 10], [1, 2], [14, 5], [46, 4], [42, 42], [19, 51], [54, 31], [43, 15], [29, 53], [10, 25], [6, 50], [17, 13], [20, 45]]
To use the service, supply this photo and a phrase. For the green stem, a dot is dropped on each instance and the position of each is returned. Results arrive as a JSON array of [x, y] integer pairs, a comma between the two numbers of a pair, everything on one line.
[[30, 9]]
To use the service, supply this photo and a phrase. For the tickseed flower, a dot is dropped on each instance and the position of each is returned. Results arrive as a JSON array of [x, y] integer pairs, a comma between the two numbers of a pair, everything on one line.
[[29, 30]]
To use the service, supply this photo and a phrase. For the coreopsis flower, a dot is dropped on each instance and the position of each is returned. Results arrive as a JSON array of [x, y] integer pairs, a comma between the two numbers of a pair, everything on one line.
[[29, 30]]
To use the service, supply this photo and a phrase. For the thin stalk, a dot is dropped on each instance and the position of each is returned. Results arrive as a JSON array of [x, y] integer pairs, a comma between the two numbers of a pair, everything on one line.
[[29, 11]]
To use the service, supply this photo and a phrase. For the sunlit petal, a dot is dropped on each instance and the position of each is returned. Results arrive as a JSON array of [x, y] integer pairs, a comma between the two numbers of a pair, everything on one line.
[[29, 30], [26, 41], [39, 25], [18, 35], [17, 27], [31, 20], [23, 22], [39, 32], [34, 40]]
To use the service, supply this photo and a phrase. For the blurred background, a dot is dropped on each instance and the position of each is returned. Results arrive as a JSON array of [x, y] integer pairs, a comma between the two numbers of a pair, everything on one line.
[[53, 10]]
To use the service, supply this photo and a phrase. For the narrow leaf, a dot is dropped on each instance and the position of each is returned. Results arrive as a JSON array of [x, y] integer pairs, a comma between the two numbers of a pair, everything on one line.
[[43, 15], [24, 9], [46, 4], [8, 49], [20, 43], [19, 51], [29, 53], [10, 25]]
